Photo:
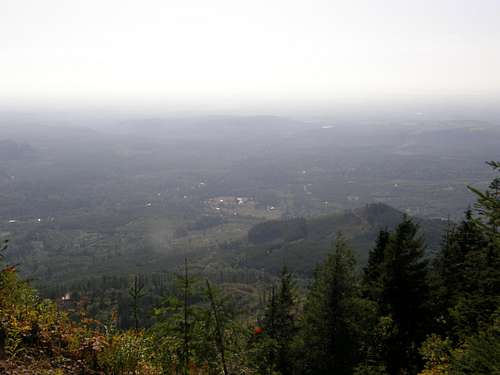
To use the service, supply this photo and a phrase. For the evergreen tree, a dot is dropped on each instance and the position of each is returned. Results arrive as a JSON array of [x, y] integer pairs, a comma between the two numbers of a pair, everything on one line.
[[466, 276], [467, 270], [404, 295], [372, 272], [488, 206], [219, 319], [378, 339], [279, 325], [136, 292], [453, 268], [180, 328], [333, 315], [479, 297]]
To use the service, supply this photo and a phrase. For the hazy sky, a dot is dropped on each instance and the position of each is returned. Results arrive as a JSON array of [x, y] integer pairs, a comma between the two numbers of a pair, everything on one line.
[[223, 50]]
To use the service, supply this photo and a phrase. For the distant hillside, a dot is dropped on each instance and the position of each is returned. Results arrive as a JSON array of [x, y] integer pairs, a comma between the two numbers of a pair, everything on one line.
[[475, 139], [302, 244], [10, 150]]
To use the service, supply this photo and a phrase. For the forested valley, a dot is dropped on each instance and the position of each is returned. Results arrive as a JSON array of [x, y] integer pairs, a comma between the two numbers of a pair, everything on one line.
[[125, 253]]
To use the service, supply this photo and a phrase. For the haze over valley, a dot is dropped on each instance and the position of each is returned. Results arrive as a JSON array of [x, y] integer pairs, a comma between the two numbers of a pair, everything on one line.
[[76, 197]]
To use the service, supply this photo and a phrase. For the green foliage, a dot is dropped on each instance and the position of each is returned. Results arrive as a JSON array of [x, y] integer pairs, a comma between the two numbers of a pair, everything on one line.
[[178, 322], [366, 369], [334, 315], [196, 331], [404, 294], [480, 354], [219, 325], [136, 292], [360, 226], [372, 276], [436, 353], [126, 353], [287, 230], [466, 272], [276, 346], [488, 206], [39, 337], [466, 278], [466, 295], [206, 222], [396, 280]]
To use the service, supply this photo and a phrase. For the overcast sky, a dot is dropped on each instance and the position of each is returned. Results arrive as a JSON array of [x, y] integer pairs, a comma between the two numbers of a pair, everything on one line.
[[252, 50]]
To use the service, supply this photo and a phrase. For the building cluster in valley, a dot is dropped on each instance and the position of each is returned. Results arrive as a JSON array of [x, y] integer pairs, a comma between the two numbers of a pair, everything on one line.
[[244, 206]]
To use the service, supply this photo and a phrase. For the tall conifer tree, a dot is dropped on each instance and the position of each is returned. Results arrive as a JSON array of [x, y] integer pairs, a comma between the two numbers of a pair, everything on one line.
[[280, 326], [372, 282], [332, 315], [404, 295]]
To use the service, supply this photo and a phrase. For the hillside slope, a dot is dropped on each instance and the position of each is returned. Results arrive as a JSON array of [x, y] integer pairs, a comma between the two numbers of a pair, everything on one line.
[[270, 244]]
